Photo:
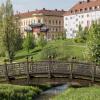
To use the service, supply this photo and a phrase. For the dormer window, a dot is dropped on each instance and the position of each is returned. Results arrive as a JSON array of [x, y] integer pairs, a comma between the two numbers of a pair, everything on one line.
[[95, 7], [71, 11], [85, 9], [81, 10], [76, 11], [80, 2], [90, 8]]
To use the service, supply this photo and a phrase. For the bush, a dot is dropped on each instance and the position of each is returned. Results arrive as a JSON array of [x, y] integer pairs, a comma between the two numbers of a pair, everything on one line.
[[79, 40], [49, 50], [29, 42], [41, 42], [14, 92]]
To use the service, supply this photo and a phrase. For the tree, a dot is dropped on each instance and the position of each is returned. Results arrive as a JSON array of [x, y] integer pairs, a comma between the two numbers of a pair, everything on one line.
[[93, 43], [80, 31], [28, 42], [9, 30], [42, 41], [81, 34]]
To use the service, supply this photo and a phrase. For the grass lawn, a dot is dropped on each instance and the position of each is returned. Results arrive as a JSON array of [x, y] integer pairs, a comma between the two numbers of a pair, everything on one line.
[[66, 48], [15, 92], [90, 93]]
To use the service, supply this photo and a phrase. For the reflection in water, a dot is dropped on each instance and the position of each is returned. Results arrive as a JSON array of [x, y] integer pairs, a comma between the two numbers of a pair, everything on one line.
[[46, 95]]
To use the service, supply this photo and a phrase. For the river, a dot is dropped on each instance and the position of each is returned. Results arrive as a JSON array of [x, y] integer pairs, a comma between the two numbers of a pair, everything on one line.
[[47, 95]]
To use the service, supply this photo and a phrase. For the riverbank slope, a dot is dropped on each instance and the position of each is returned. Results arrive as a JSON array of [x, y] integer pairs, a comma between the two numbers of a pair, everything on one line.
[[87, 93]]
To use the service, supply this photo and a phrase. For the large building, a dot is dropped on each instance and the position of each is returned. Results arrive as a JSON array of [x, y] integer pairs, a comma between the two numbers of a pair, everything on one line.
[[52, 19], [83, 13]]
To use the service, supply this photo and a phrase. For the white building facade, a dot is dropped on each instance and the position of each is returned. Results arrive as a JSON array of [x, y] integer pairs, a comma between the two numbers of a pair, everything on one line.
[[83, 13]]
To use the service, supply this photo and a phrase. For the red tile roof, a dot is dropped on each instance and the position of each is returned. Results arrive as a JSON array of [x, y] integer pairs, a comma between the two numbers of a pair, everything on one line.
[[43, 11], [83, 5]]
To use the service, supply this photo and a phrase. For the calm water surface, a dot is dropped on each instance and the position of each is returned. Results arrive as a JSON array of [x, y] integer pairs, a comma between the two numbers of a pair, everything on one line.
[[47, 95]]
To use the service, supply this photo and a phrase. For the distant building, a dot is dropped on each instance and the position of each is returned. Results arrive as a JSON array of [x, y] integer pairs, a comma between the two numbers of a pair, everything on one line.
[[52, 19], [83, 13]]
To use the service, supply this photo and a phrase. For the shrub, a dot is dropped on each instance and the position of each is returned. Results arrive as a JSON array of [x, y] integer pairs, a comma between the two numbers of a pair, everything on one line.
[[14, 92], [49, 50]]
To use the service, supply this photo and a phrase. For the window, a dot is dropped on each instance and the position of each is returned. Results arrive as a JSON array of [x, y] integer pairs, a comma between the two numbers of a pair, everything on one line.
[[95, 7], [87, 15], [71, 11], [76, 10], [66, 18], [39, 21], [77, 19], [49, 21], [34, 21], [70, 17], [85, 9], [56, 22], [56, 29], [82, 16], [59, 22], [90, 8], [53, 22], [81, 10], [45, 20]]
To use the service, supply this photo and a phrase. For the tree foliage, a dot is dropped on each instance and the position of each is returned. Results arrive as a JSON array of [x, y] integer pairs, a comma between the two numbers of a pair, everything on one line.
[[28, 42], [82, 34], [93, 43], [41, 41], [9, 30]]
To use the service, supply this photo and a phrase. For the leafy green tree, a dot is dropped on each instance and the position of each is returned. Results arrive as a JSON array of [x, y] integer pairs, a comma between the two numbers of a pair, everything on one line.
[[80, 31], [28, 42], [93, 43], [82, 34], [9, 30], [41, 41], [19, 42]]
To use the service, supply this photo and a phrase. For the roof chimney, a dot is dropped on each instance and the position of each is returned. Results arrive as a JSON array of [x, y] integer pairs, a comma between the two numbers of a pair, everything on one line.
[[44, 9], [62, 10], [55, 9]]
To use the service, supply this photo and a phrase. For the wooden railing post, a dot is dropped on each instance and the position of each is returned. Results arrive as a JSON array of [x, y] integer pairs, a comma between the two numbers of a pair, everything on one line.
[[6, 71], [27, 71], [32, 68], [50, 65], [71, 67], [71, 71], [93, 73]]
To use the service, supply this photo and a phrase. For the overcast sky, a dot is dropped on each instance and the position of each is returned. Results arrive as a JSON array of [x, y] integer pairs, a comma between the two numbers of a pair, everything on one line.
[[25, 5]]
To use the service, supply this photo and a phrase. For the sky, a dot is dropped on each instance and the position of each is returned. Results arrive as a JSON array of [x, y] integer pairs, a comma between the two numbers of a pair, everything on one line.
[[25, 5]]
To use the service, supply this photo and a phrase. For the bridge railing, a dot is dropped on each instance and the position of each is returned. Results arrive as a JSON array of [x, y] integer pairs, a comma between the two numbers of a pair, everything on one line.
[[50, 68]]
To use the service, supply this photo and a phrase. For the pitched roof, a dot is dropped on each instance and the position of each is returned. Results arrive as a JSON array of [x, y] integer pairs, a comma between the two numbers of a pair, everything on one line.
[[43, 11], [84, 6]]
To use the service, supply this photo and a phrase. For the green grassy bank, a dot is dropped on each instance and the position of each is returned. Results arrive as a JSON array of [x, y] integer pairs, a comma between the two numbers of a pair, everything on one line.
[[89, 93], [62, 49], [15, 92]]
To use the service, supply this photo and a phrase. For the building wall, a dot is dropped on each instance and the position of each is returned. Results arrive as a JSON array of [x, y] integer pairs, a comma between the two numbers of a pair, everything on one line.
[[25, 22], [72, 22], [54, 23]]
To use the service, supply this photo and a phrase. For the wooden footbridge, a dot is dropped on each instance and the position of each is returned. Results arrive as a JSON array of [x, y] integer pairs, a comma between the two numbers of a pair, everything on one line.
[[48, 71]]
